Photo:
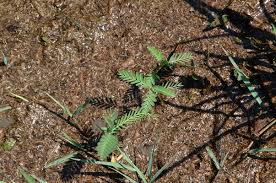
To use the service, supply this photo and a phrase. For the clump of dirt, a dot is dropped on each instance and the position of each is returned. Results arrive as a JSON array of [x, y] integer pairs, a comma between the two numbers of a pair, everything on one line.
[[73, 50]]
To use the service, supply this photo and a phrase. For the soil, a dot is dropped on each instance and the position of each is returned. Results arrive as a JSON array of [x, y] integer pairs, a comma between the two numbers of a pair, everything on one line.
[[73, 50]]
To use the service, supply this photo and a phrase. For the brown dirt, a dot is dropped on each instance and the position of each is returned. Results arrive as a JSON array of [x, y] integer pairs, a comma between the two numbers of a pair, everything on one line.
[[87, 42]]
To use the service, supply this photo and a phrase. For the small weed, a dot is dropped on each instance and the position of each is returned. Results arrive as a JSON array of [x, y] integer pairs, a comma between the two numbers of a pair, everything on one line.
[[109, 141], [8, 144], [126, 164]]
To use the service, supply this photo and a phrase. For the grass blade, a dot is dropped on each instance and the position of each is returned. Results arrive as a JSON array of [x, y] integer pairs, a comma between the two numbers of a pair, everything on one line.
[[19, 97], [64, 107], [28, 178], [258, 150], [138, 171], [273, 29], [224, 159], [5, 108], [158, 173], [124, 175], [79, 109], [150, 163], [71, 141], [107, 163], [61, 160], [242, 76], [213, 157], [39, 179]]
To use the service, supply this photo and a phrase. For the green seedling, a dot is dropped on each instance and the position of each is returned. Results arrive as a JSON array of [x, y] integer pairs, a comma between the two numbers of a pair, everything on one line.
[[8, 144], [150, 82], [126, 164], [65, 109], [175, 59], [241, 76], [109, 140], [213, 157]]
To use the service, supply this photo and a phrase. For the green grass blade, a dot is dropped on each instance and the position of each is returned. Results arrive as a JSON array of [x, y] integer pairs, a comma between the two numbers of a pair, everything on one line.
[[79, 109], [158, 173], [273, 29], [19, 97], [252, 90], [213, 157], [107, 163], [242, 76], [61, 160], [224, 159], [28, 178], [71, 141], [39, 179], [258, 150], [64, 107], [138, 171], [150, 163], [157, 54], [124, 175], [5, 108]]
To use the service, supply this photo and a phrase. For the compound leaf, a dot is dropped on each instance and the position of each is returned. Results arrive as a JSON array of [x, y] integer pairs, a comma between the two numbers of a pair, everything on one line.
[[107, 144], [180, 58], [157, 54]]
